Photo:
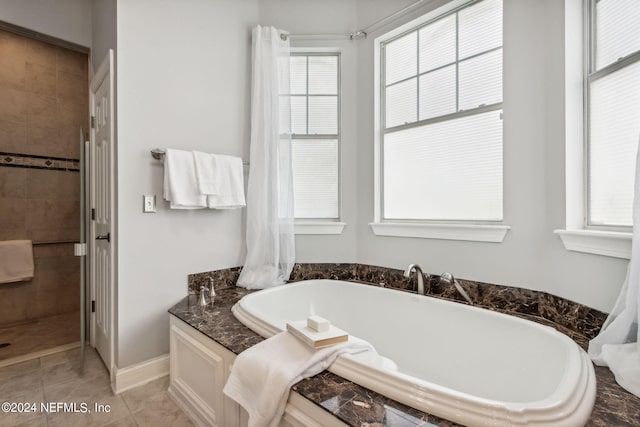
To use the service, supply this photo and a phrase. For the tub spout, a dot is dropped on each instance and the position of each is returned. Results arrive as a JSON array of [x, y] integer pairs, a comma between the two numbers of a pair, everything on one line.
[[418, 270], [448, 279]]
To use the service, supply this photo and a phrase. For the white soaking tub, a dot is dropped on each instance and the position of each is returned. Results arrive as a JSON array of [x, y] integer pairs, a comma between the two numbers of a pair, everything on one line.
[[462, 363]]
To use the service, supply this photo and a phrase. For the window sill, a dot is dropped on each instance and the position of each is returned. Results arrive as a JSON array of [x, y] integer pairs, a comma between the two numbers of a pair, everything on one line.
[[467, 232], [319, 227], [607, 243]]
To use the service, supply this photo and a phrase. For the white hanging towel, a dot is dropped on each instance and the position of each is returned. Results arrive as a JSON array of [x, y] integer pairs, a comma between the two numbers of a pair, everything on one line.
[[180, 183], [261, 376], [16, 261], [221, 179]]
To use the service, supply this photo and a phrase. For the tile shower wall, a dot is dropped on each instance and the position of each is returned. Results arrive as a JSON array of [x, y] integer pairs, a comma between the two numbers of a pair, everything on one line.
[[43, 104]]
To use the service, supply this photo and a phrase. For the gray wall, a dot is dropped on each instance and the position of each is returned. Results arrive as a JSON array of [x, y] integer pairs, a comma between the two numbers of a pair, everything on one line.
[[68, 20], [183, 82], [104, 30]]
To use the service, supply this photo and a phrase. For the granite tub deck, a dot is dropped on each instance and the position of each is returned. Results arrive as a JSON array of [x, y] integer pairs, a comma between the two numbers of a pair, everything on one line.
[[358, 406]]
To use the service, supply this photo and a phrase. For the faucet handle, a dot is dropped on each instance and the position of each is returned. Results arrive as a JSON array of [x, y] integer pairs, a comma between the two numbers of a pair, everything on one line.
[[212, 291], [448, 279], [202, 301]]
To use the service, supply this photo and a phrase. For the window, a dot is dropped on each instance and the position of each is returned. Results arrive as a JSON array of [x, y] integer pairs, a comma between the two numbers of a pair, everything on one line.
[[315, 112], [612, 91], [441, 118], [600, 160]]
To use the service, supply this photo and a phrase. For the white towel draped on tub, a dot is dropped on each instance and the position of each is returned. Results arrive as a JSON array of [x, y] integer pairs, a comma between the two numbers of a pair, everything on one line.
[[180, 183], [221, 179], [262, 375], [16, 261]]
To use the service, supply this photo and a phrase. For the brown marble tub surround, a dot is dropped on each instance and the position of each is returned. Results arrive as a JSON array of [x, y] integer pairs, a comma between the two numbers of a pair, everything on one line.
[[579, 322], [356, 405], [222, 279]]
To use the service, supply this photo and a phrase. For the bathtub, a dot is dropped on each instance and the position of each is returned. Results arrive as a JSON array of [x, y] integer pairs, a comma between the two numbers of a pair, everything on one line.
[[462, 363]]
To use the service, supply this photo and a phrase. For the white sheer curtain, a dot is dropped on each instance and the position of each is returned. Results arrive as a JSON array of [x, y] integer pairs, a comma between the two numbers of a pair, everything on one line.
[[618, 343], [270, 228]]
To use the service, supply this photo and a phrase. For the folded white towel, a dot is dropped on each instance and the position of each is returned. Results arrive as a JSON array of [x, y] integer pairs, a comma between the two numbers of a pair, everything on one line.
[[208, 182], [16, 261], [261, 376], [180, 183], [221, 178]]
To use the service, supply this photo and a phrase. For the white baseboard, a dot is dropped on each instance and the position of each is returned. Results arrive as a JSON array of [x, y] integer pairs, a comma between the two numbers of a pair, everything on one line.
[[140, 373]]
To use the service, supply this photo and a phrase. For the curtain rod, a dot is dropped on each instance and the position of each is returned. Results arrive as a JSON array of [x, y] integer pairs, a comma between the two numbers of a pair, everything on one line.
[[360, 34], [351, 36]]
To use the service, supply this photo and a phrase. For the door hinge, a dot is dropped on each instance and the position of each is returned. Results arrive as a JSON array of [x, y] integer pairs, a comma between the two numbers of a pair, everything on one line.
[[93, 122], [93, 214], [93, 306]]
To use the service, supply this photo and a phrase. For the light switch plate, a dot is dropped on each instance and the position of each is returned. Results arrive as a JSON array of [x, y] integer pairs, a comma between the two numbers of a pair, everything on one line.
[[149, 203]]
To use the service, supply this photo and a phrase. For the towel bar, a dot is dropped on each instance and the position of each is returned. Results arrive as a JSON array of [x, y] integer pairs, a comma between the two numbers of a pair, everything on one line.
[[54, 242], [158, 154]]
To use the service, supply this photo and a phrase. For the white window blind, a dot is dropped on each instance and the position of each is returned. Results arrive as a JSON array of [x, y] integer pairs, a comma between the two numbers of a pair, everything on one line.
[[442, 119], [462, 161], [617, 32], [613, 115], [314, 102]]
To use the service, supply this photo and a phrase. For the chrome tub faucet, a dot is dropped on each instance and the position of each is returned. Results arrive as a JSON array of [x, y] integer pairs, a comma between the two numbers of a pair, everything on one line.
[[419, 273]]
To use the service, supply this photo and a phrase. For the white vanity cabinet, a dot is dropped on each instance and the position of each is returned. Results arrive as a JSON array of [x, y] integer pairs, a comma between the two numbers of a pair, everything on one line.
[[198, 371]]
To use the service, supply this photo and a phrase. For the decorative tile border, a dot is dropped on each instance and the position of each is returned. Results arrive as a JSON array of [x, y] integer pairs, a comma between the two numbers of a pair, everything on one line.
[[39, 162], [582, 323]]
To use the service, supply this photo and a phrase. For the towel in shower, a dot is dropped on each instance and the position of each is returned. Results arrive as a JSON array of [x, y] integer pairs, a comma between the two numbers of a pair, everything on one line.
[[261, 376], [221, 179], [180, 183], [16, 261]]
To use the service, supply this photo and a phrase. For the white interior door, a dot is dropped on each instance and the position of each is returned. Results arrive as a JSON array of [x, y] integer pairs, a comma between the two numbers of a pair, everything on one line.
[[102, 237]]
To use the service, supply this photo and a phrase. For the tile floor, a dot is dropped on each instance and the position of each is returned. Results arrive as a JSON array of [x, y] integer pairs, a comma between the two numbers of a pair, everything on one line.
[[55, 378], [39, 334]]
